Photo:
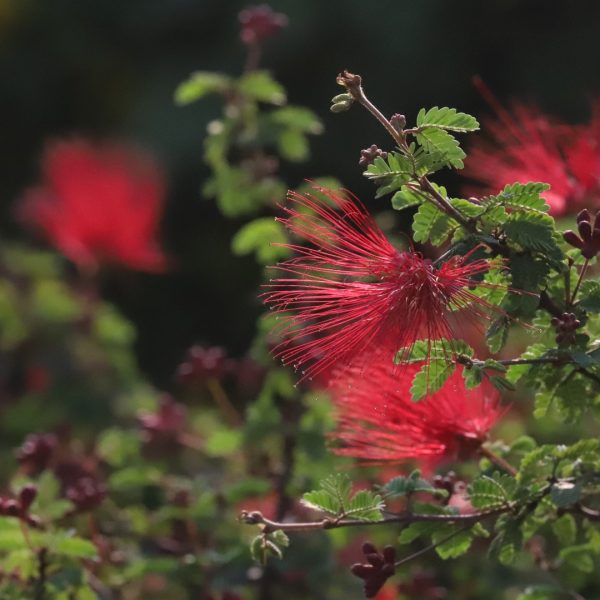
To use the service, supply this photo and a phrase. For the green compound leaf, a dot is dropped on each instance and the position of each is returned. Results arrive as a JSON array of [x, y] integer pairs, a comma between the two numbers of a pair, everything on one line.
[[405, 198], [404, 486], [589, 296], [430, 224], [447, 118], [389, 174], [200, 84], [431, 378], [443, 145], [492, 492], [260, 86], [423, 350], [264, 237], [497, 334], [519, 196], [472, 377], [565, 529], [578, 557], [293, 145], [264, 546], [533, 231], [298, 118], [335, 498], [74, 546], [455, 546]]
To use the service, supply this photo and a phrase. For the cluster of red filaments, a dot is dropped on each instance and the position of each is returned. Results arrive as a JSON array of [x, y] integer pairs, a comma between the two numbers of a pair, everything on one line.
[[350, 290], [527, 145], [378, 422]]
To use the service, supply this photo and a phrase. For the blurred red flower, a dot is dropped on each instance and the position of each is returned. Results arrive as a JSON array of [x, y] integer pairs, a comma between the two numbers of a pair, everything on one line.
[[352, 290], [378, 422], [527, 145], [259, 23], [98, 205]]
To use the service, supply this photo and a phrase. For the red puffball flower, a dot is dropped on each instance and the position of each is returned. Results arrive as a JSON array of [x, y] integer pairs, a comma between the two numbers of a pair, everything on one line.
[[527, 145], [351, 290], [259, 23], [378, 422], [98, 205]]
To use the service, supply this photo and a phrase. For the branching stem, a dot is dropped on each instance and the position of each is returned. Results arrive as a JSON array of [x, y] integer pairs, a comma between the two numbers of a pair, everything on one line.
[[581, 276], [353, 83], [269, 526], [498, 460]]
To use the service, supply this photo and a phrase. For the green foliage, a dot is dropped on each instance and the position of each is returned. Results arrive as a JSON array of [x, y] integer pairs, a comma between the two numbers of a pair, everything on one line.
[[430, 224], [390, 174], [200, 84], [443, 146], [335, 498], [487, 492], [423, 350], [406, 197], [405, 486], [268, 545], [430, 378], [589, 296], [534, 232], [446, 118], [260, 86], [520, 197], [264, 237]]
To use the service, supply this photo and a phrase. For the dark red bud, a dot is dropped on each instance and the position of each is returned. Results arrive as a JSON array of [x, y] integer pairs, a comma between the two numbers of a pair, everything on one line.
[[389, 554], [368, 548], [11, 508], [583, 215], [573, 239], [585, 230], [362, 571], [27, 495], [375, 559]]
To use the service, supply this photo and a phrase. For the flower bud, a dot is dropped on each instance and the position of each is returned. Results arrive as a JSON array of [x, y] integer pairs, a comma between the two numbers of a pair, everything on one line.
[[26, 496], [398, 121], [342, 98], [339, 107]]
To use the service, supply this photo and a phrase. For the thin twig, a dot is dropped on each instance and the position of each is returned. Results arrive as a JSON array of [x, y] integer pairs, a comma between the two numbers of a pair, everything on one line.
[[257, 518], [432, 546], [498, 460], [581, 276]]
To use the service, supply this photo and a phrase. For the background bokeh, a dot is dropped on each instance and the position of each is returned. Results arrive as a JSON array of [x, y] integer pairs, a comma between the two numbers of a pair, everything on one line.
[[108, 69]]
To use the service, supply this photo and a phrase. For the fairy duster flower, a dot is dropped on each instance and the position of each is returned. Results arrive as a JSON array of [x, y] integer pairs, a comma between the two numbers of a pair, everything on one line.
[[526, 145], [98, 205], [350, 290], [378, 422]]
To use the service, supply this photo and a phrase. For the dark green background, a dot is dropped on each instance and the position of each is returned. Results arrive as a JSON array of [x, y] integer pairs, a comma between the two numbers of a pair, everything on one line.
[[109, 67]]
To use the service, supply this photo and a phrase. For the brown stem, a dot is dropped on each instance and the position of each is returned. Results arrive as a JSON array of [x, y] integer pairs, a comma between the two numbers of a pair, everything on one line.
[[40, 582], [427, 549], [498, 461], [257, 518], [445, 205], [549, 305], [253, 57], [222, 401], [581, 276], [353, 83]]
